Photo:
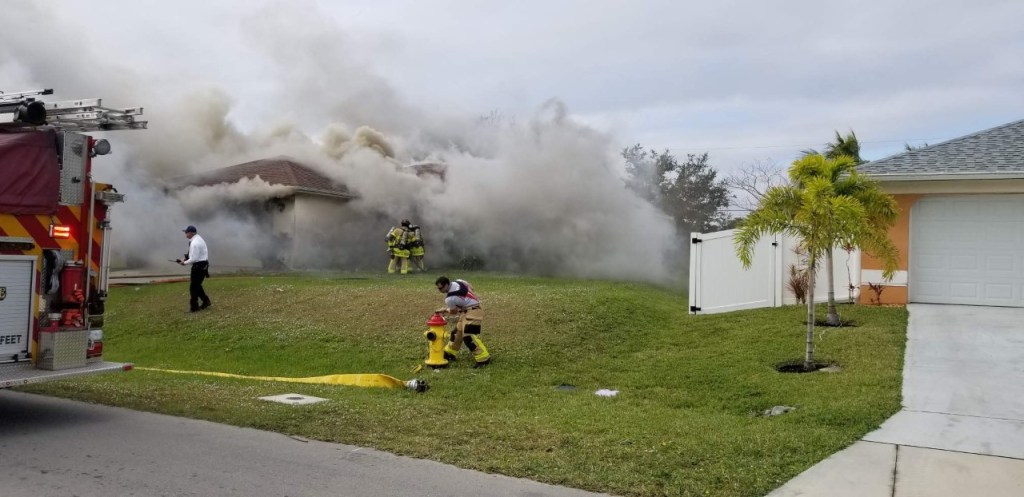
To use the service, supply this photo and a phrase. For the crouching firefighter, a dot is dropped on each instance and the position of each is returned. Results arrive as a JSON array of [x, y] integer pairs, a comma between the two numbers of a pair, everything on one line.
[[462, 302]]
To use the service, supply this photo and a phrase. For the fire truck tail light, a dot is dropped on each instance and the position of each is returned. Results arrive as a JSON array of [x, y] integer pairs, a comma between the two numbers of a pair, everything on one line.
[[62, 232]]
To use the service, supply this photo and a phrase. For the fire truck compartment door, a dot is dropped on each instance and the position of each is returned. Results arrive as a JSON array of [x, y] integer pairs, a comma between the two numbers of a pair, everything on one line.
[[31, 173], [17, 279]]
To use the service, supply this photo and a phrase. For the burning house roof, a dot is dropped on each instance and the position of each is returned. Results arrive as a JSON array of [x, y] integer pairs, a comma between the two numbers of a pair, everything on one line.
[[276, 171]]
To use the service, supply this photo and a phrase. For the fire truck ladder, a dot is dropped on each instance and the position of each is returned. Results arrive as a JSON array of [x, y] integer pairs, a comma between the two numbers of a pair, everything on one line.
[[21, 111]]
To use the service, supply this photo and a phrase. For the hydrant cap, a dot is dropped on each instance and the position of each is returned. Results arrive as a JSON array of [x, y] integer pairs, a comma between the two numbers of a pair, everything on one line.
[[437, 320]]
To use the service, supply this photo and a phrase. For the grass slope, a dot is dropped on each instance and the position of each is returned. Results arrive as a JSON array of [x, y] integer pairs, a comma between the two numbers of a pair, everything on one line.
[[683, 423]]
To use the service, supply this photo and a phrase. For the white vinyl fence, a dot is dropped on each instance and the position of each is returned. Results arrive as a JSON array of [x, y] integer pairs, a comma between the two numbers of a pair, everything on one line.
[[719, 283]]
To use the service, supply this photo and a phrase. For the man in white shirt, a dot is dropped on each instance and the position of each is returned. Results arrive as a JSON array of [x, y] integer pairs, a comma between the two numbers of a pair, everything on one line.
[[199, 258]]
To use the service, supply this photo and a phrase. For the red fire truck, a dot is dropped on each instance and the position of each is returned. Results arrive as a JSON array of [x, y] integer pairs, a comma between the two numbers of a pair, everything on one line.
[[54, 236]]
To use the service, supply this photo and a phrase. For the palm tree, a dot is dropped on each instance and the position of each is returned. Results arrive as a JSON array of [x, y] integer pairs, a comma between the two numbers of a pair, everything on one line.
[[848, 146], [882, 212], [844, 145], [826, 204]]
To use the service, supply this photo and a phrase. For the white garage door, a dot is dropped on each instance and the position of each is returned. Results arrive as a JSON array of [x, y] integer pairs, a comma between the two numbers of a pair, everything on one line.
[[968, 250]]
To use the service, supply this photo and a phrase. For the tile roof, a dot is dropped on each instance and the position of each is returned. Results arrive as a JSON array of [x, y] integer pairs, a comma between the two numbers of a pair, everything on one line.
[[995, 152], [276, 171]]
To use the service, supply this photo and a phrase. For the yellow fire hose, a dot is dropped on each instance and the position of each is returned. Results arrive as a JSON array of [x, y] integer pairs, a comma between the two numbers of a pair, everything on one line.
[[354, 380]]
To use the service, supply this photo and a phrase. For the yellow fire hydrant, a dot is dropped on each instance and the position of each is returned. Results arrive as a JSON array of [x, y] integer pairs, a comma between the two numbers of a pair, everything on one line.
[[436, 336]]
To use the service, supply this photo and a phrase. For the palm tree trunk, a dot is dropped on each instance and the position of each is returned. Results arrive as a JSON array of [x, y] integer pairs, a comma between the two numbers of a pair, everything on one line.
[[809, 353], [833, 315], [849, 276]]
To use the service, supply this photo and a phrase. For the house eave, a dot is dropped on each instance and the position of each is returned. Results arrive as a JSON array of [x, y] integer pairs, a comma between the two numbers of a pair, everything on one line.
[[324, 193], [884, 178]]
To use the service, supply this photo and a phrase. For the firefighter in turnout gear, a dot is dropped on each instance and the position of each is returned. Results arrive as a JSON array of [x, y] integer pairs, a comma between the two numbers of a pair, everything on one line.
[[416, 249], [398, 247], [460, 301]]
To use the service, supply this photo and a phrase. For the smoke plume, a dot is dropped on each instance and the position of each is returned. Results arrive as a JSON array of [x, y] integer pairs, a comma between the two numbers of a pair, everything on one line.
[[542, 194]]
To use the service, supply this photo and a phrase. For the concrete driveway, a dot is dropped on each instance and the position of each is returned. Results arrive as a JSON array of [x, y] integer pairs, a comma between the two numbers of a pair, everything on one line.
[[961, 430]]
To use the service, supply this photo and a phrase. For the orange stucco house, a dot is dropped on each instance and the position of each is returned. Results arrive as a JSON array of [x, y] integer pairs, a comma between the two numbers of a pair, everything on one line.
[[961, 228]]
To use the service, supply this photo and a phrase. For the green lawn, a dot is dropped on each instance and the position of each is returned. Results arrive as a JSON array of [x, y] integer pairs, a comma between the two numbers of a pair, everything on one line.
[[684, 422]]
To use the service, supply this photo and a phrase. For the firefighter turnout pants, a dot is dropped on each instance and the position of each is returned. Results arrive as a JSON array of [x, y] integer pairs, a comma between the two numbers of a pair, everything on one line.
[[416, 255], [399, 257], [467, 331]]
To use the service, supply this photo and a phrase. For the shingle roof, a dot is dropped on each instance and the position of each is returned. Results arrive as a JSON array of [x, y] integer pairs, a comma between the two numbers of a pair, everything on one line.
[[276, 171], [992, 152]]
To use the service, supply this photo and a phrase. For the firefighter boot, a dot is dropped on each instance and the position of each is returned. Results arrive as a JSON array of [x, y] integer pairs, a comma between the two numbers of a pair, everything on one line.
[[450, 352], [405, 265], [392, 266], [479, 350]]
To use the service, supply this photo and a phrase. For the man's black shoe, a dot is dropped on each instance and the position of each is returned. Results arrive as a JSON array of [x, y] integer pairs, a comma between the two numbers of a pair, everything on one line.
[[449, 356], [480, 364], [204, 306]]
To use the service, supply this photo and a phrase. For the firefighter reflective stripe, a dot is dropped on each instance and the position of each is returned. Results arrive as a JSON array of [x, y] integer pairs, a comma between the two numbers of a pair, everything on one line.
[[480, 354], [396, 242], [395, 236], [416, 243], [354, 380]]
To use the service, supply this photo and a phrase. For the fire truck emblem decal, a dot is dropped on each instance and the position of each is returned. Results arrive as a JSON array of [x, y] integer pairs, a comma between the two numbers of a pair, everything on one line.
[[3, 292]]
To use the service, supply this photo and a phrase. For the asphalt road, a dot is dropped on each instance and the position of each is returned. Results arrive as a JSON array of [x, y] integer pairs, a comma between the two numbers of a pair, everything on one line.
[[56, 448]]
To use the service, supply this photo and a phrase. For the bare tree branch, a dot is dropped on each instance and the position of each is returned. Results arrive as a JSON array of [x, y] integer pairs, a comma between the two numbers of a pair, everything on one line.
[[750, 183]]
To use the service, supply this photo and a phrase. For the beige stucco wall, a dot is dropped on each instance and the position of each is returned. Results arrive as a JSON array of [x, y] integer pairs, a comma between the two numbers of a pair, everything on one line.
[[907, 194], [282, 219], [282, 225], [314, 221]]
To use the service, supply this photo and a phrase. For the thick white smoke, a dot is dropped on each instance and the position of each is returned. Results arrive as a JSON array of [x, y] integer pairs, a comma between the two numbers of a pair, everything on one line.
[[541, 195]]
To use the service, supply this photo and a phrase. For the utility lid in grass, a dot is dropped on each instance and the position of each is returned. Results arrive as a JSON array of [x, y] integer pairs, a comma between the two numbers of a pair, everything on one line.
[[294, 399]]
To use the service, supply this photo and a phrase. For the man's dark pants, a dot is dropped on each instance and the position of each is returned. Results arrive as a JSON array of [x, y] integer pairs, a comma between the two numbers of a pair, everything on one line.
[[200, 270]]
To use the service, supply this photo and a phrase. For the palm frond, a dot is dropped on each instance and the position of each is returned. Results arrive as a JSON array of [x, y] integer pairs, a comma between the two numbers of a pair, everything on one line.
[[827, 204]]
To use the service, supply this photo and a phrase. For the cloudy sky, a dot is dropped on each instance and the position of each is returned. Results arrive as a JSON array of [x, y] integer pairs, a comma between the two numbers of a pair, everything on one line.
[[358, 88], [743, 80]]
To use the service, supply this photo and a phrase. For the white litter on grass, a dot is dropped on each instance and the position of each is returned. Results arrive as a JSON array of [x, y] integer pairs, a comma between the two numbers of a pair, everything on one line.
[[777, 411], [293, 399], [604, 392]]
